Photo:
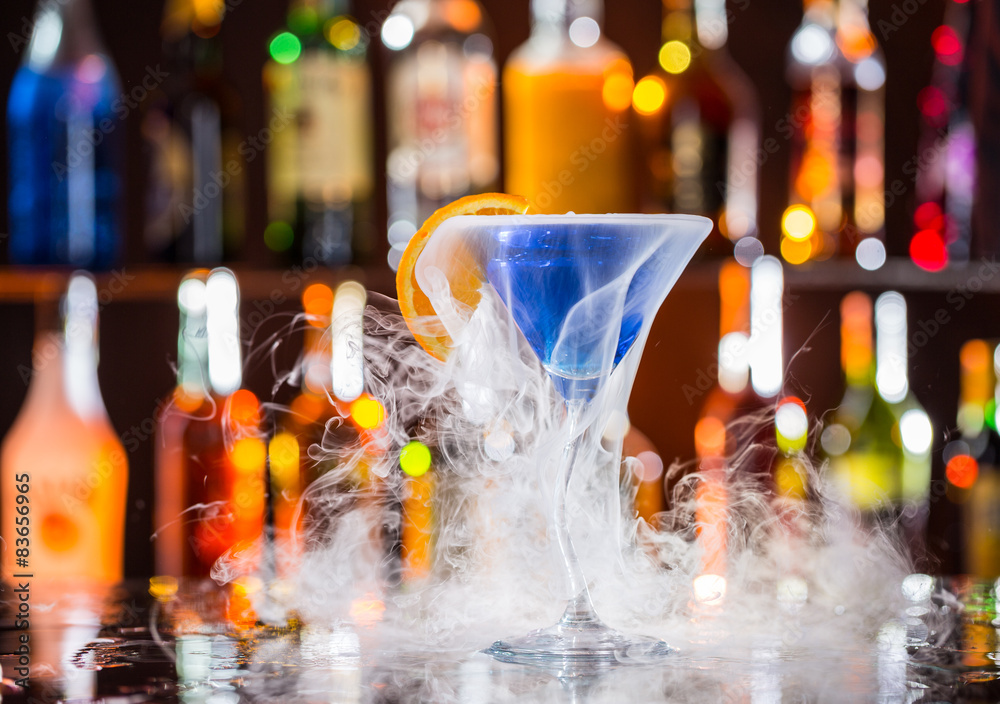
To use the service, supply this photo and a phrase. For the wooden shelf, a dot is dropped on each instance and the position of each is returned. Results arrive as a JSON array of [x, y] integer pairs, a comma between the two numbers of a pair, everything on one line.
[[159, 283]]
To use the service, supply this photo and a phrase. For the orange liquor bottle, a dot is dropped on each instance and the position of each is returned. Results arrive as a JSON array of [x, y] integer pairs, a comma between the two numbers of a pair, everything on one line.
[[567, 91], [63, 469], [213, 488]]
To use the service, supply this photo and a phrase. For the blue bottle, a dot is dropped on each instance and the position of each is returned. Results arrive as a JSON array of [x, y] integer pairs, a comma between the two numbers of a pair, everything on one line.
[[64, 123]]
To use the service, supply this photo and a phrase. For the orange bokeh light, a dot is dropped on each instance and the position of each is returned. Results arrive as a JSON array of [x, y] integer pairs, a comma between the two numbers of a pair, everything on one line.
[[617, 89], [243, 408], [962, 471], [710, 437], [317, 302]]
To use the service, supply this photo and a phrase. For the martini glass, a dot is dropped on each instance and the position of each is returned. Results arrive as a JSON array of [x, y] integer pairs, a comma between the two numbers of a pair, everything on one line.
[[583, 290]]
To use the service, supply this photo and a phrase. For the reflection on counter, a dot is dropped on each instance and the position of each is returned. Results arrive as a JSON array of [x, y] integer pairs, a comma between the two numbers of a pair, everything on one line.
[[183, 645]]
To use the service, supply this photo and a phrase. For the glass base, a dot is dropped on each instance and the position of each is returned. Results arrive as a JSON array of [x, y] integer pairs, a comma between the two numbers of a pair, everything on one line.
[[580, 645]]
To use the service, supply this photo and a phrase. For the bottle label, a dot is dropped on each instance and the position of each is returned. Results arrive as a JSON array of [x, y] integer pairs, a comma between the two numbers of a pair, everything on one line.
[[324, 154], [334, 123], [870, 480], [443, 122]]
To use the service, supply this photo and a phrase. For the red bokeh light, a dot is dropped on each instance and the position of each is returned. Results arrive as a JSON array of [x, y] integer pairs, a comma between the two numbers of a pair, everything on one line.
[[947, 45], [928, 251], [928, 216], [933, 104], [962, 471]]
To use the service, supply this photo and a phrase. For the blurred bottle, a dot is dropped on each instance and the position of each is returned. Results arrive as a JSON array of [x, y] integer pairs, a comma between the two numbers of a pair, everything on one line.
[[567, 91], [64, 135], [733, 397], [321, 457], [734, 432], [441, 109], [292, 463], [912, 429], [63, 455], [945, 170], [194, 201], [865, 461], [699, 123], [972, 461], [836, 127], [319, 163], [169, 515], [216, 426], [879, 440]]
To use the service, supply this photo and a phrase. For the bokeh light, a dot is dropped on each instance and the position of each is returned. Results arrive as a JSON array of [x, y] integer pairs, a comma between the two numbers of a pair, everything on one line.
[[617, 89], [870, 254], [248, 454], [343, 33], [243, 408], [649, 95], [279, 236], [947, 45], [791, 425], [285, 48], [283, 453], [709, 589], [397, 32], [962, 471], [928, 251], [795, 252], [584, 32], [675, 56], [928, 216], [415, 458], [710, 437], [916, 432], [798, 222], [367, 412], [317, 302]]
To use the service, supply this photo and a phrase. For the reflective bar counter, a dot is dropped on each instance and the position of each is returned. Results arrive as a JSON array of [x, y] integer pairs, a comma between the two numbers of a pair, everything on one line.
[[198, 642]]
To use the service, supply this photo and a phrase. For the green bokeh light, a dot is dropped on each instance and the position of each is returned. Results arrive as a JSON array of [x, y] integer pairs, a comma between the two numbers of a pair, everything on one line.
[[285, 48], [278, 236], [415, 458]]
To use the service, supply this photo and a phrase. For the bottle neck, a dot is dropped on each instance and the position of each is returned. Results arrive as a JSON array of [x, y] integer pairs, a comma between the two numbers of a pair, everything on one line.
[[821, 12], [856, 358], [64, 33], [222, 323], [316, 374], [550, 16], [679, 21], [891, 359], [83, 391], [191, 19], [734, 327], [856, 338], [192, 354], [977, 384], [712, 23], [65, 354]]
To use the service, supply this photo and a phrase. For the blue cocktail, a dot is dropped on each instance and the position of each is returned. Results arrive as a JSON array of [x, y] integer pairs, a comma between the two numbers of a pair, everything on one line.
[[583, 290]]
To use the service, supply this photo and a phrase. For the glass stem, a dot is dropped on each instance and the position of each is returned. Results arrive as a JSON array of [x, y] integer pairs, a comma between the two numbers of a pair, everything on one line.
[[580, 610]]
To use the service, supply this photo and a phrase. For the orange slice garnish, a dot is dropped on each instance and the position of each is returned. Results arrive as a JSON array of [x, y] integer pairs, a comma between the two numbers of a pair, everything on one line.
[[465, 286]]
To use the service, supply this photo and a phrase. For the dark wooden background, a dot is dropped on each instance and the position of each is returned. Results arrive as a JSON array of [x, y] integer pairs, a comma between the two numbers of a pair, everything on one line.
[[139, 330]]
